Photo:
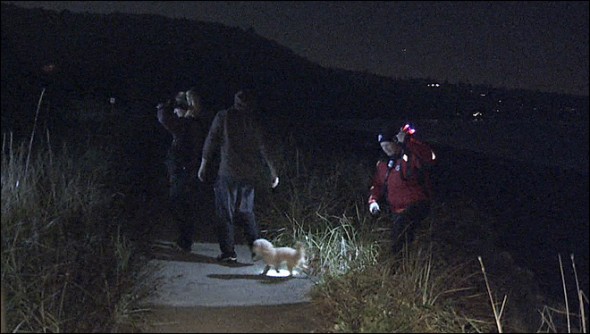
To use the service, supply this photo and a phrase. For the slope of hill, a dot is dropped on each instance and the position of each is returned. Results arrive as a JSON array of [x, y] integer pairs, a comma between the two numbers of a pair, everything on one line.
[[146, 58], [142, 59]]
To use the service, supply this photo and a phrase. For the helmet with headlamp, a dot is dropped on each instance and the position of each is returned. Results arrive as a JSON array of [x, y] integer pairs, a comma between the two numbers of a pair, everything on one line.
[[408, 129], [396, 135]]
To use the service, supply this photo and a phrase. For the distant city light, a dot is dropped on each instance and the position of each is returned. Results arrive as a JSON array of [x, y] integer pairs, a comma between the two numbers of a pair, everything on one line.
[[49, 68]]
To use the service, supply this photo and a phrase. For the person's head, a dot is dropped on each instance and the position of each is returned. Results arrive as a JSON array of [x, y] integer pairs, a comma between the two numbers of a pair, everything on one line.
[[194, 102], [391, 147], [389, 138], [180, 104], [180, 99], [245, 99]]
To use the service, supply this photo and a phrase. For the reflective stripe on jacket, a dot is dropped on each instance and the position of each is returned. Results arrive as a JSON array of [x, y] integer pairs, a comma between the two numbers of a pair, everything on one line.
[[407, 178]]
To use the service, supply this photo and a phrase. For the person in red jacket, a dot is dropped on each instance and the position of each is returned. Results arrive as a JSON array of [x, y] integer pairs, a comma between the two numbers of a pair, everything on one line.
[[402, 180]]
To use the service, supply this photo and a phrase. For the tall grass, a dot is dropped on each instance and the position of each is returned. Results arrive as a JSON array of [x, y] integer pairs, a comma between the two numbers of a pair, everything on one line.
[[434, 285], [65, 264], [553, 318], [68, 267], [360, 286]]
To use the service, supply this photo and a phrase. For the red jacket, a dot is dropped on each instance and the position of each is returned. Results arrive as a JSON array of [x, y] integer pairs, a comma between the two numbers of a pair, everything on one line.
[[408, 179]]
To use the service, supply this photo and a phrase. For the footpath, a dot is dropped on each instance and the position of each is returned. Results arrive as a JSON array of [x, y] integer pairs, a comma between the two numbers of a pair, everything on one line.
[[197, 279], [195, 293]]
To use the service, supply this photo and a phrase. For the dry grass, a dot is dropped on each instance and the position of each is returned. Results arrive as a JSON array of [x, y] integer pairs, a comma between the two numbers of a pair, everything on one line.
[[436, 285], [66, 266]]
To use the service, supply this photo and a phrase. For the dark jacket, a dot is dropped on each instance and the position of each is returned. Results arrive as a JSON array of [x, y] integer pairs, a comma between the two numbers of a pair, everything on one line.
[[404, 180], [188, 134], [236, 136]]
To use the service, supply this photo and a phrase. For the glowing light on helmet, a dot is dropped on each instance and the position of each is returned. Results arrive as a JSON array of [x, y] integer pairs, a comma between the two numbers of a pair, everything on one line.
[[408, 129]]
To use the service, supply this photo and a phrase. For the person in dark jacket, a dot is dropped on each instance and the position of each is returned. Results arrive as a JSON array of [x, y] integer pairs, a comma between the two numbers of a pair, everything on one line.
[[236, 137], [402, 180], [185, 121]]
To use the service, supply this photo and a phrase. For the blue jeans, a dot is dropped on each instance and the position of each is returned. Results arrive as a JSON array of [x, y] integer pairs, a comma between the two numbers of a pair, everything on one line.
[[184, 203], [234, 204]]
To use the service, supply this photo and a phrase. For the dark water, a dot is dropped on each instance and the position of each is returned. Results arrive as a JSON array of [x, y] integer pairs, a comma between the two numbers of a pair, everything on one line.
[[541, 211]]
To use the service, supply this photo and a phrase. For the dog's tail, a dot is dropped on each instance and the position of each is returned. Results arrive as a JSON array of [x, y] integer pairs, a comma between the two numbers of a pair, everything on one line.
[[300, 248], [302, 258]]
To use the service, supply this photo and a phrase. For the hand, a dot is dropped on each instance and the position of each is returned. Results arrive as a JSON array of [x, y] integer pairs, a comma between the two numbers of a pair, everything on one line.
[[201, 173], [401, 136], [163, 105], [374, 209], [179, 112], [275, 182]]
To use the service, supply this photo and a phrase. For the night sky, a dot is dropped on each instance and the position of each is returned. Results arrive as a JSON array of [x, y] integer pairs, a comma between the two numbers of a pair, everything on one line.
[[530, 45]]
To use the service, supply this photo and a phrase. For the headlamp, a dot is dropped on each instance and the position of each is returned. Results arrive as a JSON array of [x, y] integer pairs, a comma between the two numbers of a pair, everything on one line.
[[408, 129]]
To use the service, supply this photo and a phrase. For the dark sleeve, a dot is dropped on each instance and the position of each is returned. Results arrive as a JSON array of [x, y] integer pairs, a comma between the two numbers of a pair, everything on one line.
[[200, 128], [264, 152], [214, 137], [167, 118], [423, 152]]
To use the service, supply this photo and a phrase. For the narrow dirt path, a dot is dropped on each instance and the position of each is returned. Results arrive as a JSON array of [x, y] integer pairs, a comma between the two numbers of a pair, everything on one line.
[[282, 318], [293, 318]]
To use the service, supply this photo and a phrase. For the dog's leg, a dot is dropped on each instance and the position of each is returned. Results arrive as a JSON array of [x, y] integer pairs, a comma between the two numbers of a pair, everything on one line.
[[266, 269], [303, 269]]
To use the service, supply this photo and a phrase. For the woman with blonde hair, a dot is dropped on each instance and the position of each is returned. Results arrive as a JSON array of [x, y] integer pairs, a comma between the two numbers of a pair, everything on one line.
[[185, 122], [193, 100]]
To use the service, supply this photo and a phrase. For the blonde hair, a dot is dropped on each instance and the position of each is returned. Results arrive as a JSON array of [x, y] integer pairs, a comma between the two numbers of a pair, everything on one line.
[[194, 102], [181, 99]]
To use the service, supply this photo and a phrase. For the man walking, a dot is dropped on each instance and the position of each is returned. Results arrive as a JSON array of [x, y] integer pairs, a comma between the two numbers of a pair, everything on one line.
[[237, 138]]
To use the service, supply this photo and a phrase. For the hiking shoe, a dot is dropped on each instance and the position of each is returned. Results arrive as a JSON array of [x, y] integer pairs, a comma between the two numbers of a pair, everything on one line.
[[227, 258], [184, 246], [178, 248], [252, 253]]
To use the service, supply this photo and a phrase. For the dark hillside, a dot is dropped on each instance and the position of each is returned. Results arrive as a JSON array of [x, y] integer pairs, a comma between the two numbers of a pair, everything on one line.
[[145, 58], [142, 59]]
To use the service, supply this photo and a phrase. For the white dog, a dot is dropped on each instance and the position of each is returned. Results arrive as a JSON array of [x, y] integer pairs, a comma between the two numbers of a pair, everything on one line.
[[275, 256]]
